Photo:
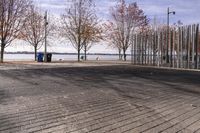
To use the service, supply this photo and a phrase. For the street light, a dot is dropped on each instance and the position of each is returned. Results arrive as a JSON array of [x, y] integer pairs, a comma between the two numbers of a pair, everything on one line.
[[168, 13]]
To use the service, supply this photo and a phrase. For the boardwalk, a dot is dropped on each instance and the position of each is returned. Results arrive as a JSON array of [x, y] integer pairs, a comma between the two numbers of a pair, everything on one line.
[[115, 99]]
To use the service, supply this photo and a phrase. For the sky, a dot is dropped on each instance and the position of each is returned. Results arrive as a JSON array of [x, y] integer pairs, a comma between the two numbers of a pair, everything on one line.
[[187, 11]]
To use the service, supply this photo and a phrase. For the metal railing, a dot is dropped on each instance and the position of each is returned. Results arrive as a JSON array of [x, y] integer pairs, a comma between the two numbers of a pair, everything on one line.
[[182, 44]]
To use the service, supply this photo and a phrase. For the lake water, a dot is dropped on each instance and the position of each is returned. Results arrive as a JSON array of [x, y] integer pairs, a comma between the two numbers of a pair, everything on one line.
[[57, 57]]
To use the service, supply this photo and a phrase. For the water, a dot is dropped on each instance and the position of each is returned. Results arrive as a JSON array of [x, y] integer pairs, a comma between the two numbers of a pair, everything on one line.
[[57, 57]]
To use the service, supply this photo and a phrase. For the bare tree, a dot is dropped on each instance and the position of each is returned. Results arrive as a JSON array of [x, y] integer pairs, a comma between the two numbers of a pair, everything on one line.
[[12, 17], [93, 34], [127, 18], [34, 29], [113, 38], [75, 22]]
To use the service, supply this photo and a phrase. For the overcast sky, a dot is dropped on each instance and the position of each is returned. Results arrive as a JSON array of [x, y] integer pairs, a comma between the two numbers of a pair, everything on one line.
[[186, 10]]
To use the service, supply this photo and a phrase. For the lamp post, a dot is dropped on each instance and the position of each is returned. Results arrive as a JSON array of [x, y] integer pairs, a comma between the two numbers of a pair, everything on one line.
[[168, 13], [45, 40]]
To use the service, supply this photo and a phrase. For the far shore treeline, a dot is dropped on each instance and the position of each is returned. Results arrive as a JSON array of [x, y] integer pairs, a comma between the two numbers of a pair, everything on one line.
[[56, 53]]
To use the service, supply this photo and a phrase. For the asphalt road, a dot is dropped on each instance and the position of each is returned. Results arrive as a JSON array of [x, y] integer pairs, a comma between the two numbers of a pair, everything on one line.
[[102, 99]]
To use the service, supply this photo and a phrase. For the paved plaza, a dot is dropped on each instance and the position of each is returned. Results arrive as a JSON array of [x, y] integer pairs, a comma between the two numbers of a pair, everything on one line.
[[99, 99]]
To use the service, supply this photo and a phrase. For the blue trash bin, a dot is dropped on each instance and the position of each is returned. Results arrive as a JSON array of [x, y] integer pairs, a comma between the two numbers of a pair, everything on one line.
[[40, 57]]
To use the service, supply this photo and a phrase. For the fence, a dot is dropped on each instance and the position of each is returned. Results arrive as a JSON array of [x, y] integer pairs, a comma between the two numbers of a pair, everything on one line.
[[169, 47]]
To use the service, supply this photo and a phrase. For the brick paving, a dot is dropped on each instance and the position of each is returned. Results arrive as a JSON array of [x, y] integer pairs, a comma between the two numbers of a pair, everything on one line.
[[104, 99]]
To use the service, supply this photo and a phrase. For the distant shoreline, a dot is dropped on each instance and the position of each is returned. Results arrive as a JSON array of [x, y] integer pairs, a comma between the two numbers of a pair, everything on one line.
[[65, 53]]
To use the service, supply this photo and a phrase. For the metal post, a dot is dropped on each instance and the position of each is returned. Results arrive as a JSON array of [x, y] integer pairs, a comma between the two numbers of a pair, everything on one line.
[[152, 50], [167, 35], [168, 42], [181, 45], [178, 48], [184, 46], [193, 65], [137, 43], [135, 50], [188, 47], [161, 47], [140, 49], [171, 48], [158, 44], [197, 43], [45, 43], [148, 51], [132, 51], [146, 48], [174, 38]]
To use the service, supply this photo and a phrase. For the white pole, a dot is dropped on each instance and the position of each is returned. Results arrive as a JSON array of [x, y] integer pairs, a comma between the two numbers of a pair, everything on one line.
[[136, 49], [178, 48], [181, 45], [193, 64], [132, 49], [197, 48], [189, 28], [158, 43]]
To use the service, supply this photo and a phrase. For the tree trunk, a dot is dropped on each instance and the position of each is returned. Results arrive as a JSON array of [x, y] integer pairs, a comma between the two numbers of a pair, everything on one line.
[[120, 57], [124, 52], [35, 53], [2, 52], [85, 52], [78, 55]]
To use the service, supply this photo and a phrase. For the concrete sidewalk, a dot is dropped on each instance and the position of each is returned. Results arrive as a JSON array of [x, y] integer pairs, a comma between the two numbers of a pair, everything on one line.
[[99, 99], [57, 64]]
